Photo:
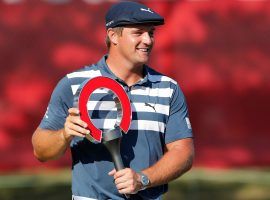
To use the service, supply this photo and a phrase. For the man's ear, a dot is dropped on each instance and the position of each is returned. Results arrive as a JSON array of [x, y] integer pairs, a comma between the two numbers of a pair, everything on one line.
[[113, 36]]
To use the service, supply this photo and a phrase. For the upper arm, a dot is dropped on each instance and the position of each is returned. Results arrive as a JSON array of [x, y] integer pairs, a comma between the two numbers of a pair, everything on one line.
[[183, 144], [39, 137], [57, 110], [178, 125], [183, 151]]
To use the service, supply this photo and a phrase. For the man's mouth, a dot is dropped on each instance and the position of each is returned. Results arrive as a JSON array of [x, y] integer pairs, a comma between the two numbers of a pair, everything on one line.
[[144, 49]]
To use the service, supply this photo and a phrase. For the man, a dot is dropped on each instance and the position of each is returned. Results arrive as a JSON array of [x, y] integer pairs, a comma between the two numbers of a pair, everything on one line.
[[158, 147]]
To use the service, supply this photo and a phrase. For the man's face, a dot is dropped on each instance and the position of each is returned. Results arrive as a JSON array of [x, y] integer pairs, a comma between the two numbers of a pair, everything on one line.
[[136, 42]]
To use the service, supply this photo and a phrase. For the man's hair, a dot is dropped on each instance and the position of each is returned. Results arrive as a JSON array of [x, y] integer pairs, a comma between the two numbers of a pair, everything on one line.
[[117, 30]]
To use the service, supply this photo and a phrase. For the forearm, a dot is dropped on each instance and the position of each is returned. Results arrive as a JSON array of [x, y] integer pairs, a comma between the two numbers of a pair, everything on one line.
[[175, 162], [48, 144]]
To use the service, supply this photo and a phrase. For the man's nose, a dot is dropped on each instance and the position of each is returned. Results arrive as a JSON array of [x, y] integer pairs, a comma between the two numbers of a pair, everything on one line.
[[147, 39]]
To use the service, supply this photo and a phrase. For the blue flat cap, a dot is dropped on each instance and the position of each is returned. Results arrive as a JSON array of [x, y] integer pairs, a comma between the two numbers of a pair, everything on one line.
[[127, 13]]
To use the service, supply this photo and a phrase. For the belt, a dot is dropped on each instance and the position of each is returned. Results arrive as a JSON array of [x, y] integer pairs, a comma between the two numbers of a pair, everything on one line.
[[132, 197]]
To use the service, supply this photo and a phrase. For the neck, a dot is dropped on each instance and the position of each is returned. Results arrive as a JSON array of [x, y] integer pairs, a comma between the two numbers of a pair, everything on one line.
[[124, 70]]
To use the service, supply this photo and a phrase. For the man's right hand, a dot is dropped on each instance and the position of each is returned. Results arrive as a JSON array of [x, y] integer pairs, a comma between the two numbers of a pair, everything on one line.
[[74, 126], [51, 144]]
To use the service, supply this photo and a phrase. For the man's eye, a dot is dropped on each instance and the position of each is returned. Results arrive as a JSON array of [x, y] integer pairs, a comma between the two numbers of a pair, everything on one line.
[[137, 33]]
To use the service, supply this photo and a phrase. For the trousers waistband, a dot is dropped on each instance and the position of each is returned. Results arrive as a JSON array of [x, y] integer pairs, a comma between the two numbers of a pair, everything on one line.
[[132, 197], [81, 198]]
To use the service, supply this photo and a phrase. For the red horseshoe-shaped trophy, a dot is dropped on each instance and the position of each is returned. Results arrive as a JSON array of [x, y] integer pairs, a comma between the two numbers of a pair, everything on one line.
[[110, 138]]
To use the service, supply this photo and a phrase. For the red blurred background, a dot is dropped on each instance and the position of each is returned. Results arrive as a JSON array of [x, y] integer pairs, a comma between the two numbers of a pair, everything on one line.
[[218, 51]]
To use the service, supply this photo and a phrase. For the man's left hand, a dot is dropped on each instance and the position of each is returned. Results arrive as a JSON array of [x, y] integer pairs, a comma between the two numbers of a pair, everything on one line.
[[127, 181]]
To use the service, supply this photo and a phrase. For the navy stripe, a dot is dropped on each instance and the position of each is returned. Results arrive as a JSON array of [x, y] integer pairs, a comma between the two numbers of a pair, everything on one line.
[[133, 98], [159, 85], [77, 81], [96, 114]]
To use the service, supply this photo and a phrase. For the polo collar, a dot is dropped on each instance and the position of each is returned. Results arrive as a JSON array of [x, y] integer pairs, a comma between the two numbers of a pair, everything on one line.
[[105, 70]]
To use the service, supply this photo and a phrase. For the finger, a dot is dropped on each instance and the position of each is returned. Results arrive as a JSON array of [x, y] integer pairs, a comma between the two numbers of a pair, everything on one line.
[[74, 133], [124, 191], [122, 172], [78, 129], [77, 120], [120, 180], [74, 111], [111, 173], [121, 186], [127, 190]]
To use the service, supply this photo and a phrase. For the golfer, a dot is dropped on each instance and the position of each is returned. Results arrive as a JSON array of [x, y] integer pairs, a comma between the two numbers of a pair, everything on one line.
[[157, 149]]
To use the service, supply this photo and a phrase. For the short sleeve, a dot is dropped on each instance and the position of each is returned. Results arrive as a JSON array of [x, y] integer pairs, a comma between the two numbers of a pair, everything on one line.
[[57, 110], [178, 125]]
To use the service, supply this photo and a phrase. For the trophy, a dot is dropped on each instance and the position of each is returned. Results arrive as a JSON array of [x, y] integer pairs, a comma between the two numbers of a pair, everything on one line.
[[110, 138]]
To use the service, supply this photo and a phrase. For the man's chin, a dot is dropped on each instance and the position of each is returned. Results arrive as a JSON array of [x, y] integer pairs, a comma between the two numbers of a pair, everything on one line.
[[144, 60], [141, 59]]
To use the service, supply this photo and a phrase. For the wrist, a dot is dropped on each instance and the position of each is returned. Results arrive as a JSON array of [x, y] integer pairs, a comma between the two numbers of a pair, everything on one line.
[[67, 138], [144, 180]]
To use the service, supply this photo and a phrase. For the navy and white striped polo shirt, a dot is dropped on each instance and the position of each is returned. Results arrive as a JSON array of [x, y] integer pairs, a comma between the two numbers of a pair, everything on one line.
[[159, 116]]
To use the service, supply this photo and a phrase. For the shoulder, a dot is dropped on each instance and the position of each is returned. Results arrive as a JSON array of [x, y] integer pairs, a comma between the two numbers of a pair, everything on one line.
[[162, 80], [70, 78], [168, 84], [84, 72], [159, 77], [76, 78]]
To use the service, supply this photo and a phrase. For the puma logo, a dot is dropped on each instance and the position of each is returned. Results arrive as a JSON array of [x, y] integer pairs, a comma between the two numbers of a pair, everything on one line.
[[149, 105], [147, 10]]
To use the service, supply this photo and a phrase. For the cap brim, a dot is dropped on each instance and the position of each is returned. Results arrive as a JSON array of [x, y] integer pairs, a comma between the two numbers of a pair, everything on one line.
[[154, 23]]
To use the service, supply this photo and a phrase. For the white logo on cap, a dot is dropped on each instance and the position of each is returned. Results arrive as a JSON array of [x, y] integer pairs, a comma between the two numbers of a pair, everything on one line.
[[148, 10], [109, 23]]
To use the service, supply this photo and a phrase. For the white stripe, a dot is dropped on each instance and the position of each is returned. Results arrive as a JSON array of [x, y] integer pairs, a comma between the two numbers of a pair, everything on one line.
[[159, 108], [188, 123], [166, 78], [138, 107], [101, 105], [147, 125], [74, 89], [144, 125], [155, 92], [101, 91], [84, 74], [163, 78], [81, 198]]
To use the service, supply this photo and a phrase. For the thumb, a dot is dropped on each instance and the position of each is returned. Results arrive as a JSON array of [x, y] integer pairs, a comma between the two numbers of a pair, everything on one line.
[[111, 173]]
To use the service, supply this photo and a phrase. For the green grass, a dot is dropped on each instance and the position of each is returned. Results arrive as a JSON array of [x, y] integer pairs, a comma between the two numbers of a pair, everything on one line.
[[46, 185], [205, 184], [198, 184]]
